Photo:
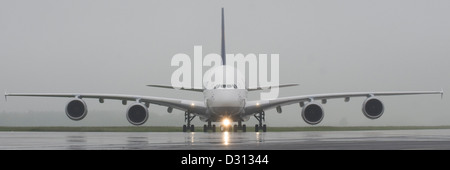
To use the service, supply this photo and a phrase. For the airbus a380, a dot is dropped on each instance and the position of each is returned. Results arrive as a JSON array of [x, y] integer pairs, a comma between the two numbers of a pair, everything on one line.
[[226, 103]]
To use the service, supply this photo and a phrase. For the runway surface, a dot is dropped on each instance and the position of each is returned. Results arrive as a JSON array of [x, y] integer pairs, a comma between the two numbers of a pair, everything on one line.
[[389, 139]]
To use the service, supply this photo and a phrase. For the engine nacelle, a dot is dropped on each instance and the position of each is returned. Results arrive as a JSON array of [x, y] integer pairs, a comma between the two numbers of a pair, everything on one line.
[[137, 114], [372, 108], [312, 113], [279, 109], [76, 109]]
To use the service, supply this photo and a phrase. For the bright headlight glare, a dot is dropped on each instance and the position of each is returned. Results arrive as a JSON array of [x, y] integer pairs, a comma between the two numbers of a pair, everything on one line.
[[226, 122]]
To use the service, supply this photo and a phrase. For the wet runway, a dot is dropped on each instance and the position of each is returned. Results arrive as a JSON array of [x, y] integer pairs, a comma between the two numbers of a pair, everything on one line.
[[390, 139]]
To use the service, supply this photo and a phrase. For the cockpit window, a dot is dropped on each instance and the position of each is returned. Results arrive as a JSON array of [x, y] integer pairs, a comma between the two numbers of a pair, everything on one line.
[[226, 86]]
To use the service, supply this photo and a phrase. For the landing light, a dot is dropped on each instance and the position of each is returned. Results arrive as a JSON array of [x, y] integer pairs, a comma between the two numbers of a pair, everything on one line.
[[226, 122]]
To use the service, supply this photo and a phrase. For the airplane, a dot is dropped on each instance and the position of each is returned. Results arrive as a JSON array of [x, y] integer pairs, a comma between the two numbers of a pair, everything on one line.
[[226, 103]]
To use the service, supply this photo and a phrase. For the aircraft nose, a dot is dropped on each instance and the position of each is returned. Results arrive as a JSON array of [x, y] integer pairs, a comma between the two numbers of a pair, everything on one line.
[[227, 99], [226, 102]]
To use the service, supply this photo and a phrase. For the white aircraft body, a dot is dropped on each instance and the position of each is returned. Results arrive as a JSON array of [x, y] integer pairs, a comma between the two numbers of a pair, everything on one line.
[[224, 103]]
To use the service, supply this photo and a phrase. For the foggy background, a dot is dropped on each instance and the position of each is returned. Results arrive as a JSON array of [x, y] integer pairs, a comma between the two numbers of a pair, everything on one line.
[[115, 46]]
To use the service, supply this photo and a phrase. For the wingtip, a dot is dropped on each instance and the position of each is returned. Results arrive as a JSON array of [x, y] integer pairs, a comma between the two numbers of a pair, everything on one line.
[[6, 95], [442, 93]]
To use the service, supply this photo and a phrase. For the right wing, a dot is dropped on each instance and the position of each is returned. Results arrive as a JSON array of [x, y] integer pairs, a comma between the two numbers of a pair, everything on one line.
[[197, 107], [269, 87], [261, 105]]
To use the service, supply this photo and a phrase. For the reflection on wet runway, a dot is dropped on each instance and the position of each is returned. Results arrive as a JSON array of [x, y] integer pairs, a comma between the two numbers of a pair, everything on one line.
[[224, 138], [75, 141], [394, 139]]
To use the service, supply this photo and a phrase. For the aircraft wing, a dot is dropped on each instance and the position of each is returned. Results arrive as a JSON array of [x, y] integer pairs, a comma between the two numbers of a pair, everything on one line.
[[184, 105], [269, 87], [261, 105], [172, 87]]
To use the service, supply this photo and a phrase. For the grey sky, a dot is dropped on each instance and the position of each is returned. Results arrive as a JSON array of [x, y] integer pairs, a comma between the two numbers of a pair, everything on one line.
[[111, 46]]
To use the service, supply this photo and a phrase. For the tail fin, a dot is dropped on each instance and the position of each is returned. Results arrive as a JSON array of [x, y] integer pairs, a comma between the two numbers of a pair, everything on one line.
[[223, 40]]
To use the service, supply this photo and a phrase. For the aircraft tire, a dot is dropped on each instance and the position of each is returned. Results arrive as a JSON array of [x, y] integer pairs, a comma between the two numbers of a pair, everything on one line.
[[184, 128]]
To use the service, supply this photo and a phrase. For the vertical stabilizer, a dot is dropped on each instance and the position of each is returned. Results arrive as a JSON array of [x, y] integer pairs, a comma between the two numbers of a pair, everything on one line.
[[223, 40]]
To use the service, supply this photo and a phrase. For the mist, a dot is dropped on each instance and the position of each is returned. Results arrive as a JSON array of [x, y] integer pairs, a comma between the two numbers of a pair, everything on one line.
[[116, 46]]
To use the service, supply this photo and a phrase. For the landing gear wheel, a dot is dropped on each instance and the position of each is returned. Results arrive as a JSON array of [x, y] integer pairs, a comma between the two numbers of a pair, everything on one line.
[[208, 127], [264, 128], [244, 128], [256, 128], [184, 128], [192, 128], [235, 128]]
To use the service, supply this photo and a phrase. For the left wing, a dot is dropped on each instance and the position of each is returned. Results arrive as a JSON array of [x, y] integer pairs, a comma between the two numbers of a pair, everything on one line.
[[261, 105], [184, 105]]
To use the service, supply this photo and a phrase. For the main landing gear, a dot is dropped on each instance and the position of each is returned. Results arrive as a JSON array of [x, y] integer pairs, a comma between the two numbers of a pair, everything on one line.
[[261, 116], [225, 128], [209, 127], [188, 117], [239, 126]]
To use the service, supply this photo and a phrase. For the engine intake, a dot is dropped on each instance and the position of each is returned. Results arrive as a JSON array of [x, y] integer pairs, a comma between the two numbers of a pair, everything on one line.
[[137, 114], [372, 108], [312, 113], [76, 109]]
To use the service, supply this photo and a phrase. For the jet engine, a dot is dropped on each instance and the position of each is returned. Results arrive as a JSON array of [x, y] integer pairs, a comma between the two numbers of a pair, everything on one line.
[[372, 108], [312, 113], [137, 114], [76, 109]]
